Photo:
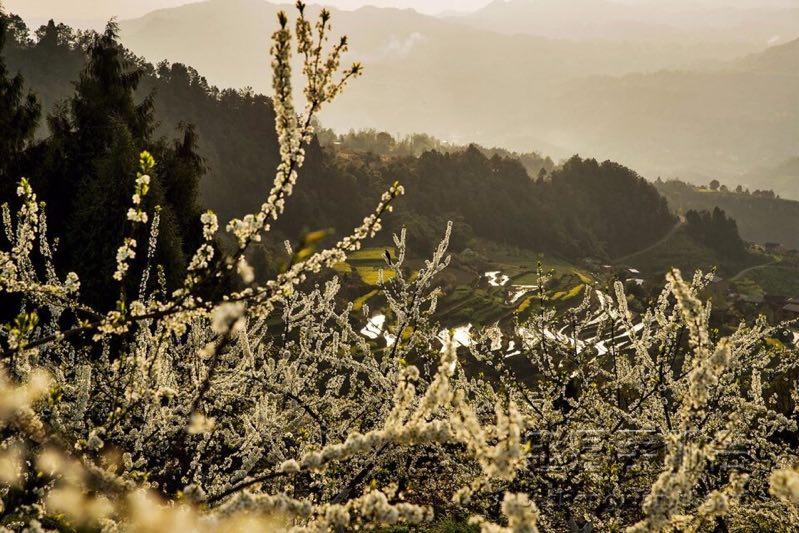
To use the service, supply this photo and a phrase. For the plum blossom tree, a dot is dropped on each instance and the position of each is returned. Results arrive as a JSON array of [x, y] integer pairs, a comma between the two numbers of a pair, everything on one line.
[[265, 408]]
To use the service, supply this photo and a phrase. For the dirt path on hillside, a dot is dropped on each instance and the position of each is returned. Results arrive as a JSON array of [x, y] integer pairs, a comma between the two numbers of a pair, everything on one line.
[[651, 247], [746, 271]]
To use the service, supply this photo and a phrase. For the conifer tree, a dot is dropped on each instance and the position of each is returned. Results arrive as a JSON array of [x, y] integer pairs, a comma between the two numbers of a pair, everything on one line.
[[180, 168], [19, 116], [91, 164]]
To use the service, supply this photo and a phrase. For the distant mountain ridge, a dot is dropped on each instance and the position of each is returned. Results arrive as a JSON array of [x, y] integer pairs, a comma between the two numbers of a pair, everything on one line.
[[776, 58], [378, 34], [83, 14], [640, 103], [643, 21], [693, 124], [783, 179]]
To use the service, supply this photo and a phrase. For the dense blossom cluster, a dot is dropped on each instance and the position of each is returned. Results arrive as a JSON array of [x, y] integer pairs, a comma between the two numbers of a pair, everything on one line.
[[267, 409]]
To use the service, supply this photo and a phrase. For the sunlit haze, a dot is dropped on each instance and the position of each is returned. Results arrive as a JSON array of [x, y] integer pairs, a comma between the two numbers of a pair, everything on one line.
[[94, 11], [98, 10]]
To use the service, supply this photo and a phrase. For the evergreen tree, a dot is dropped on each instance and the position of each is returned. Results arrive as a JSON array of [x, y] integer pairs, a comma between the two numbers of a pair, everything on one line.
[[717, 231], [180, 169], [90, 165], [19, 116]]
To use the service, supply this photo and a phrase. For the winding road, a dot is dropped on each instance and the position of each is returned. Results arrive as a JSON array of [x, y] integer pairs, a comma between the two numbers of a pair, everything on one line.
[[657, 243], [746, 271]]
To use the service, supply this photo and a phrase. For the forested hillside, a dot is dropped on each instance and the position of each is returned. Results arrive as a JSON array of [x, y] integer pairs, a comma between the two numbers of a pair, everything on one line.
[[574, 212], [234, 129], [761, 216], [584, 208], [84, 169], [381, 143]]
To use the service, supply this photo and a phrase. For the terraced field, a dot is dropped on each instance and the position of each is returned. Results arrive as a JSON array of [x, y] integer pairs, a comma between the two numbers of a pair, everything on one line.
[[369, 264]]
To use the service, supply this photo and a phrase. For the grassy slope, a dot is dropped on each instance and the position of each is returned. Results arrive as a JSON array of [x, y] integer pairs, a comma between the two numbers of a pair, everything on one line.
[[468, 297], [759, 219], [776, 279], [683, 252]]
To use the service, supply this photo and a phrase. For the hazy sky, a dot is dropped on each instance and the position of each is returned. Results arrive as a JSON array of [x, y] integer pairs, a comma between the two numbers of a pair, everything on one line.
[[78, 12], [423, 6], [75, 10]]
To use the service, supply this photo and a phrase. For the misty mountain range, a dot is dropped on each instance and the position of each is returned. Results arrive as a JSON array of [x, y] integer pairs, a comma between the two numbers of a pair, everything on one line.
[[693, 107], [695, 100], [648, 21]]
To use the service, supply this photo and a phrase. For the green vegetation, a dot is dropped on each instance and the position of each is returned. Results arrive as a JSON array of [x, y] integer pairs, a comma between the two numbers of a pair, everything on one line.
[[372, 254], [383, 144], [689, 254], [84, 169], [358, 303], [776, 279], [760, 217], [370, 266], [716, 231], [571, 212], [749, 290], [20, 113], [374, 275]]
